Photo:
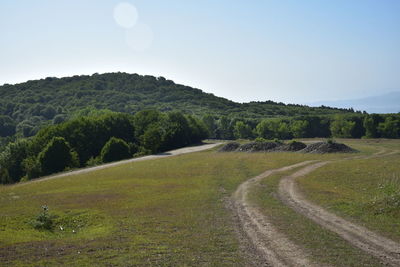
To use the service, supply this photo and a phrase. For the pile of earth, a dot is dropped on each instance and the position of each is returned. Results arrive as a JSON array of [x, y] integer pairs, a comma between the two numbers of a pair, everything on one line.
[[262, 147], [327, 147], [229, 147], [293, 146], [259, 147]]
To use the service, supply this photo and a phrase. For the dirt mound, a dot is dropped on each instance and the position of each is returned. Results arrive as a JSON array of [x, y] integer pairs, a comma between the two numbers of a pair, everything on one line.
[[293, 146], [229, 147], [259, 147], [327, 147]]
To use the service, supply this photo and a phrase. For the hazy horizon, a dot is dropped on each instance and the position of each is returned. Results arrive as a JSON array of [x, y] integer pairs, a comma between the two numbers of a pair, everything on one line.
[[284, 51]]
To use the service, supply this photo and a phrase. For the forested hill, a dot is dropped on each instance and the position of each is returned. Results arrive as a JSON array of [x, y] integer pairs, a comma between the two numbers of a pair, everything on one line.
[[26, 106]]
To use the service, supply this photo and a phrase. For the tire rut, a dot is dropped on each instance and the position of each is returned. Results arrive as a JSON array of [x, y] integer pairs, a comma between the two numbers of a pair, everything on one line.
[[273, 247], [388, 251]]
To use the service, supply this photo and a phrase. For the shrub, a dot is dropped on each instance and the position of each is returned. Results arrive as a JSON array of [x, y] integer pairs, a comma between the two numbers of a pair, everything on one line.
[[32, 168], [11, 161], [330, 141], [4, 176], [93, 161], [388, 198], [261, 139], [44, 221], [56, 156], [115, 149]]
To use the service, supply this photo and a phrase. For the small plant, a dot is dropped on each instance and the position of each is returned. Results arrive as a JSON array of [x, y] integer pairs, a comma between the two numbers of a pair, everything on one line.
[[261, 140], [330, 141], [388, 200], [44, 221], [93, 161]]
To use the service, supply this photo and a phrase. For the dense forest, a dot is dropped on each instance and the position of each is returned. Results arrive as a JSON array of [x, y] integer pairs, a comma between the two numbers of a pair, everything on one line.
[[26, 107], [88, 141], [340, 126]]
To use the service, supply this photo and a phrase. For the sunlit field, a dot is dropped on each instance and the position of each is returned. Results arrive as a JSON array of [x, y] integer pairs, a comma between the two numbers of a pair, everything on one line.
[[168, 212]]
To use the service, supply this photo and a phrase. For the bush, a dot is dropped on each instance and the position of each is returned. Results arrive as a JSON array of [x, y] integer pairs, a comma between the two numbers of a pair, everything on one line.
[[115, 149], [44, 221], [56, 156], [331, 141], [31, 167], [11, 161], [388, 198], [4, 176], [93, 161]]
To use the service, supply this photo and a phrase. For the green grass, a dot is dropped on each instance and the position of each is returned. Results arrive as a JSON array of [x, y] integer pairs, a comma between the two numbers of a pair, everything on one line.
[[167, 212], [323, 245], [366, 191]]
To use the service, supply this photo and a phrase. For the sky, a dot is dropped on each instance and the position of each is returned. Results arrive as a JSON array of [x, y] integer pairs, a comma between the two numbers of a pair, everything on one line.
[[286, 51]]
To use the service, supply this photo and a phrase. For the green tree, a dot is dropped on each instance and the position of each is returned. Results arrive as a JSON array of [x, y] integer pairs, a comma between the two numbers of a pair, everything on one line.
[[211, 125], [268, 129], [115, 149], [198, 130], [56, 156], [390, 128], [299, 128], [370, 124], [11, 161], [152, 138], [7, 126], [225, 128], [143, 119], [176, 131], [242, 130], [284, 131], [342, 128], [31, 167]]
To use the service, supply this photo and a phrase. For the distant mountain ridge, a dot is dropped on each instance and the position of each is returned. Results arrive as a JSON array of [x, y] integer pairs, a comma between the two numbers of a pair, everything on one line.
[[385, 103]]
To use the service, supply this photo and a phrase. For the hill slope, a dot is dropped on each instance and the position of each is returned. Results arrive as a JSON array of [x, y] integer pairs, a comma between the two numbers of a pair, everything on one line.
[[31, 104]]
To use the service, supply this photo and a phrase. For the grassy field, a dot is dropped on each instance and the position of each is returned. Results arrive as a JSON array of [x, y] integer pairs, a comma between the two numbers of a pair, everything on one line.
[[164, 212], [322, 245], [347, 187], [366, 191]]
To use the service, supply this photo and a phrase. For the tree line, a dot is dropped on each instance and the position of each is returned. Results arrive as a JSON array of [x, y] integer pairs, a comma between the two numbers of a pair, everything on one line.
[[340, 126], [91, 140]]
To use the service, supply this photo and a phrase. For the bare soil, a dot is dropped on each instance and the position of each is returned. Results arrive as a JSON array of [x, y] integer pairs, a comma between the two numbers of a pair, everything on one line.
[[388, 251], [270, 246]]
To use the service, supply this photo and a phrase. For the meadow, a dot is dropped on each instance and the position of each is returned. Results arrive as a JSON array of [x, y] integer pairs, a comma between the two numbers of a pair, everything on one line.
[[168, 212], [160, 212]]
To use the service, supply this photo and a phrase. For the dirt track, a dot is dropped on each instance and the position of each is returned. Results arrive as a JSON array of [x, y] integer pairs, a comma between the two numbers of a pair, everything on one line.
[[386, 250], [274, 249], [171, 153]]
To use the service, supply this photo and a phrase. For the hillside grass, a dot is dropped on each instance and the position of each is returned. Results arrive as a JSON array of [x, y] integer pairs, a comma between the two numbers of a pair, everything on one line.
[[167, 212], [365, 191], [163, 212], [322, 245]]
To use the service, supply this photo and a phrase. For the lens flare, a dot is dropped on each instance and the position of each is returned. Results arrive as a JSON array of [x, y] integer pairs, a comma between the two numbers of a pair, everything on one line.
[[125, 15]]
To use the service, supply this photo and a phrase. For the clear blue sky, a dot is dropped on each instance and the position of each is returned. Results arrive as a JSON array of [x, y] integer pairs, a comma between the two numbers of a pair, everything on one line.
[[290, 51]]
